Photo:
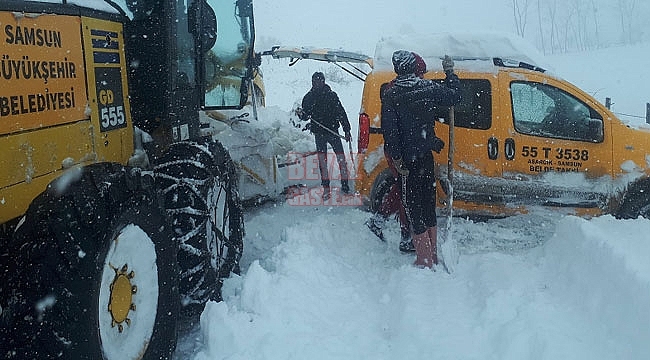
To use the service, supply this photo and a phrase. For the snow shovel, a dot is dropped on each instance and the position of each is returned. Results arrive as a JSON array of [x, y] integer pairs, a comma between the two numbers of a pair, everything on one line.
[[354, 165], [448, 247]]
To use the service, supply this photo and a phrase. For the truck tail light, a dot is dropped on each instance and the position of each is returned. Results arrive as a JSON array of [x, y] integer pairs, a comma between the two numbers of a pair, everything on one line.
[[364, 132]]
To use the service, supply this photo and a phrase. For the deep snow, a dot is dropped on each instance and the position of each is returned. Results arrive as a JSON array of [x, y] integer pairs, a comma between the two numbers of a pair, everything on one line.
[[316, 284]]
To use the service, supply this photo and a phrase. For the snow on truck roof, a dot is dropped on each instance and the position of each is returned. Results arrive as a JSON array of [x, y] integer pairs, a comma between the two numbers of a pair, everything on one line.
[[467, 49]]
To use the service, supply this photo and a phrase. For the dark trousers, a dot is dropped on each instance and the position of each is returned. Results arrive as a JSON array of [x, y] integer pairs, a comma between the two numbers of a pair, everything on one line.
[[419, 193], [392, 203], [321, 147]]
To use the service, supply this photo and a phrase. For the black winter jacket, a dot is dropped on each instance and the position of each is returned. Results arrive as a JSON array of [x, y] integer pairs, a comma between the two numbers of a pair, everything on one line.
[[407, 119], [323, 105]]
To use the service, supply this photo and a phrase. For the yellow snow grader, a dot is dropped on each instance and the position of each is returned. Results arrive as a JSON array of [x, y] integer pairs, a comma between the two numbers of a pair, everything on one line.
[[116, 215]]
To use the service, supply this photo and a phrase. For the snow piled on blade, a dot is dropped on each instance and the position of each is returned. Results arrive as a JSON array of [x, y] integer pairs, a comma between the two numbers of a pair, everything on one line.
[[461, 46]]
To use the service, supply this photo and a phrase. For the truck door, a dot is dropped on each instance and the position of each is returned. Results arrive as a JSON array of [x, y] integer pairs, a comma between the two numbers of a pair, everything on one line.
[[556, 146], [478, 144]]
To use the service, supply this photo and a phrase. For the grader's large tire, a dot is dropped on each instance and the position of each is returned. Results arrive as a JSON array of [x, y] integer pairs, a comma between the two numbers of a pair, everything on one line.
[[94, 274], [199, 183]]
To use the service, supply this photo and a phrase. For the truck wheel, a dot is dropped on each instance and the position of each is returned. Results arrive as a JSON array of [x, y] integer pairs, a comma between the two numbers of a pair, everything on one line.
[[96, 275], [139, 288], [199, 183], [380, 189], [636, 203]]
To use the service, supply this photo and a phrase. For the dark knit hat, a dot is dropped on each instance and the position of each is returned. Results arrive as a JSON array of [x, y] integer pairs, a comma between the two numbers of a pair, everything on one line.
[[403, 62], [420, 65], [318, 76]]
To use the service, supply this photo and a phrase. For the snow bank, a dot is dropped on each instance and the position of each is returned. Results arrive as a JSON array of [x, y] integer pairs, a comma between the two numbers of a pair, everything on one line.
[[331, 290], [605, 275]]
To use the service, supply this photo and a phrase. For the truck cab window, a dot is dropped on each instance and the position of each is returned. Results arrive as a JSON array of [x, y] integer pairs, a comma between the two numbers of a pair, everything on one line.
[[546, 111], [475, 110]]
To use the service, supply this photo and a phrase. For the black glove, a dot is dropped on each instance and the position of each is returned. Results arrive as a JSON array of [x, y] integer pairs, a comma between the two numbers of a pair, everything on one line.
[[448, 64], [399, 166], [301, 114], [438, 144]]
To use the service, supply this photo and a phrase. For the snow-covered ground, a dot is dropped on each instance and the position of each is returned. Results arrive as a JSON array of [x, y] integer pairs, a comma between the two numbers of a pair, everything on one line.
[[316, 284]]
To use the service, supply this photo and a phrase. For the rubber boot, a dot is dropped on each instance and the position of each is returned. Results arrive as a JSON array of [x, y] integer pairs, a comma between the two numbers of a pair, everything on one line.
[[423, 252], [433, 238], [345, 187], [327, 194]]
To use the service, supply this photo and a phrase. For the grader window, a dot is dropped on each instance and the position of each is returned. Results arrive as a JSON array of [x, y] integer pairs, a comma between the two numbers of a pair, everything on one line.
[[227, 62], [185, 45]]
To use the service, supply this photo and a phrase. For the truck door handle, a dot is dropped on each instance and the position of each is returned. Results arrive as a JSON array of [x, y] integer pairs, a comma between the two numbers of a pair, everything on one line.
[[493, 148], [510, 149]]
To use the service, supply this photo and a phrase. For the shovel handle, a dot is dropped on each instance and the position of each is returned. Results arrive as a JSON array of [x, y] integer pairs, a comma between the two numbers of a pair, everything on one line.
[[450, 156]]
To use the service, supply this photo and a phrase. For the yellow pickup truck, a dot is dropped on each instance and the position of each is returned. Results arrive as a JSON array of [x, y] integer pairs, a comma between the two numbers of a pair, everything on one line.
[[522, 137]]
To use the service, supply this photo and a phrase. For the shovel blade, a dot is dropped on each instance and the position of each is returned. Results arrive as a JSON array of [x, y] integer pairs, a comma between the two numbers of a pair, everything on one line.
[[448, 255]]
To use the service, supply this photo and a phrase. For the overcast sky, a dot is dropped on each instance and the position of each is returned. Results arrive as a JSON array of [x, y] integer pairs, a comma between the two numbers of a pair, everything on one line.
[[357, 25]]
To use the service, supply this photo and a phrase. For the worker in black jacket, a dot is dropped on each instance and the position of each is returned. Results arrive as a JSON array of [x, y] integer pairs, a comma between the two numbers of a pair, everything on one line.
[[407, 123], [322, 106]]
